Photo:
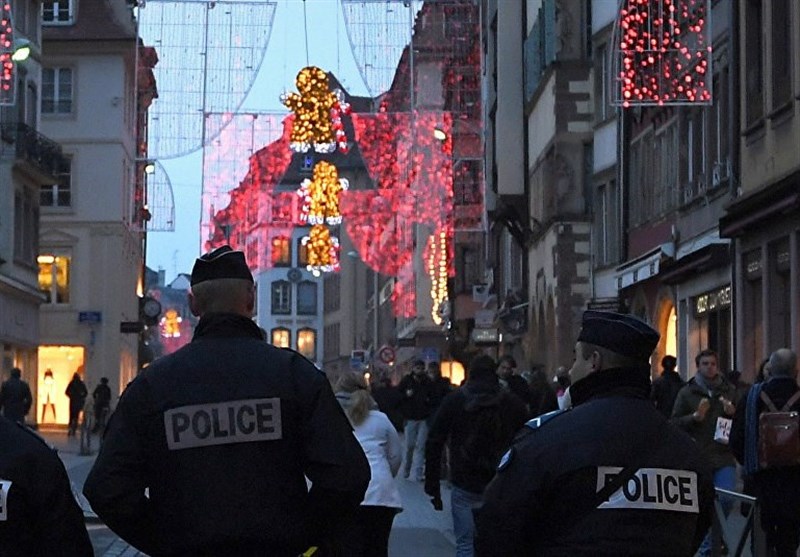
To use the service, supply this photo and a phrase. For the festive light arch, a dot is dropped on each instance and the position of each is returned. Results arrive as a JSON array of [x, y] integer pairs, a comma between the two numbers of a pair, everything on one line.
[[7, 66]]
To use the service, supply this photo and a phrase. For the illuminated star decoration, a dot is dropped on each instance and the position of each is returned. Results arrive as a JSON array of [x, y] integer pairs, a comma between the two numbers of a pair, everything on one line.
[[320, 196], [6, 50], [318, 113], [664, 52], [323, 250]]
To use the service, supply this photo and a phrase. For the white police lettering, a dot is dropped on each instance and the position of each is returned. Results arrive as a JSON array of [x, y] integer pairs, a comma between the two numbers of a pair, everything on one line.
[[222, 423], [5, 486], [652, 489]]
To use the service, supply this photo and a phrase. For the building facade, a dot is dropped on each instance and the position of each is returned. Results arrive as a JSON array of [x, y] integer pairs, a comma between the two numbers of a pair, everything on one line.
[[90, 243]]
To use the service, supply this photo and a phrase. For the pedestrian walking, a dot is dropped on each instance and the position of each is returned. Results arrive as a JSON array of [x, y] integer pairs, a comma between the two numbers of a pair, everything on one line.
[[477, 421], [665, 388], [777, 488], [38, 514], [102, 404], [369, 535], [543, 397], [15, 397], [704, 409], [416, 389], [610, 476], [510, 381], [209, 448], [77, 393]]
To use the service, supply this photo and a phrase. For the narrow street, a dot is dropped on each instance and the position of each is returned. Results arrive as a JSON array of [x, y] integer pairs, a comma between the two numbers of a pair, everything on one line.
[[418, 531]]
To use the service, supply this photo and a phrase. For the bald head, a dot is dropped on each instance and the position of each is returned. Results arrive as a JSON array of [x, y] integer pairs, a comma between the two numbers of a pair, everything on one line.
[[783, 362]]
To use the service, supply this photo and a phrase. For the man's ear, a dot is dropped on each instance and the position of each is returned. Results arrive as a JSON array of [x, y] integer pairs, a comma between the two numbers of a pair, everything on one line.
[[597, 361], [193, 304]]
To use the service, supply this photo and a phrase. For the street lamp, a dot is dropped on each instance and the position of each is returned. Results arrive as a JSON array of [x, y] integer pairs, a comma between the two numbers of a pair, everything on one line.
[[149, 167], [22, 50]]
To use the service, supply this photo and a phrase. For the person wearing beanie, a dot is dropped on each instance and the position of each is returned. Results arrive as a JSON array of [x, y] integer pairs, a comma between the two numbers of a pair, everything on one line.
[[222, 435], [477, 422], [610, 476]]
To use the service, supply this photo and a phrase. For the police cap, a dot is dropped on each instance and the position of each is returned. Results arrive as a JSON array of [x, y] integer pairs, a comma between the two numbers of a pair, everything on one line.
[[222, 263], [623, 334]]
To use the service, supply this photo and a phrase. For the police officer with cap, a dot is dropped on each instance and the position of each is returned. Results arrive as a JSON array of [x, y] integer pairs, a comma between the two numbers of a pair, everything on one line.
[[38, 514], [222, 434], [610, 476]]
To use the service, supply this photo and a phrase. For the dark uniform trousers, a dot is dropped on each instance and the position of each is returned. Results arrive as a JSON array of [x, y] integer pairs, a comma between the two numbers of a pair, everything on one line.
[[541, 502], [224, 433]]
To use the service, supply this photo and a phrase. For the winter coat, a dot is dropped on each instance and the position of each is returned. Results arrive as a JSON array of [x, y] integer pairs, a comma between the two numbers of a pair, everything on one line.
[[416, 391], [689, 397], [542, 500], [77, 393], [665, 390], [384, 451]]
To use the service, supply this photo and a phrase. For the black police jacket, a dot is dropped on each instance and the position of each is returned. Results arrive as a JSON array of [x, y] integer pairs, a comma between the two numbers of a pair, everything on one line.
[[38, 514], [542, 500], [222, 433]]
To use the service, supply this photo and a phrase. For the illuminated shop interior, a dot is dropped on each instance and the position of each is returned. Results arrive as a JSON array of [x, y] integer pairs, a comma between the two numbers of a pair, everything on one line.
[[57, 364]]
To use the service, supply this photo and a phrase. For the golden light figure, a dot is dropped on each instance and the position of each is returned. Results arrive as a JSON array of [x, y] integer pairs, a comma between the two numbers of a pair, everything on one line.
[[323, 250], [321, 195]]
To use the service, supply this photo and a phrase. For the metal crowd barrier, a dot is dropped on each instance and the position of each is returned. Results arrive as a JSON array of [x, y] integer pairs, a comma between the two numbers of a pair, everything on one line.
[[736, 525]]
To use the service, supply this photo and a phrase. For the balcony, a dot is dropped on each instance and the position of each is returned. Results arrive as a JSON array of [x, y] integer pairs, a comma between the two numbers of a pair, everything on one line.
[[34, 153]]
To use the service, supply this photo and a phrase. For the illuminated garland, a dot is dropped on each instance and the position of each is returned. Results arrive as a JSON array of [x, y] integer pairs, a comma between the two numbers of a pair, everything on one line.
[[322, 250], [6, 50], [320, 196], [318, 113], [438, 271]]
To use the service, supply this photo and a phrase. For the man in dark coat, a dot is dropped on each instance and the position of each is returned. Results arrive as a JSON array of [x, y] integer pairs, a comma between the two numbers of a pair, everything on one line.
[[223, 434], [416, 389], [777, 489], [665, 388], [610, 476], [509, 380], [15, 397], [102, 404], [478, 421], [38, 514], [77, 393]]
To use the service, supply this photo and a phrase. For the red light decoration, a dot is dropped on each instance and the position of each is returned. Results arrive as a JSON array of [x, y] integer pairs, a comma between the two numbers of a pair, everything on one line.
[[320, 196], [664, 53], [318, 113], [7, 80]]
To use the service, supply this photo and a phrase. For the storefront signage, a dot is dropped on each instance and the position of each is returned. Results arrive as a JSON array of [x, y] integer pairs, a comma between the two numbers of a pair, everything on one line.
[[712, 301], [485, 336]]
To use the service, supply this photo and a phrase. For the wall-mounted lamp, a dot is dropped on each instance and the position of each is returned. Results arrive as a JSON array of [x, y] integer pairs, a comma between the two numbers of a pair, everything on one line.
[[149, 167], [22, 50], [439, 134]]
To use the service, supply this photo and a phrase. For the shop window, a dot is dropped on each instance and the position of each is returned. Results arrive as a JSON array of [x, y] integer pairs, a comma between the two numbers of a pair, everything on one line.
[[306, 298], [281, 251], [281, 337], [281, 297], [57, 365], [54, 277], [307, 343], [752, 342]]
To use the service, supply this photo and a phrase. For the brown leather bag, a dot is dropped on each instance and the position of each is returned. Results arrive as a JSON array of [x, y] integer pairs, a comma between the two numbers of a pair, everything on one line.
[[778, 434]]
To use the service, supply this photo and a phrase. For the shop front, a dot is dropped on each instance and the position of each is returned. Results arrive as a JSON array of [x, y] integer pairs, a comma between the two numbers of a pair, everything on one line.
[[57, 365]]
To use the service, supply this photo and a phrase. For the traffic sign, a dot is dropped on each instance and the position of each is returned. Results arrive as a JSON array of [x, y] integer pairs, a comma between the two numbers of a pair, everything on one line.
[[386, 354]]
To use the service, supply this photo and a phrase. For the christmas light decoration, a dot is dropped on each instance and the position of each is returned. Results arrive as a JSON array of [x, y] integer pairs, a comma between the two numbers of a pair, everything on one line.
[[318, 113], [437, 263], [664, 52], [320, 195], [7, 80], [322, 249], [171, 324]]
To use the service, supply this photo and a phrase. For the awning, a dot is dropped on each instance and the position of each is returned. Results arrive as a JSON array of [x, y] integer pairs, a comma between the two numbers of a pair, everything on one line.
[[761, 206], [699, 261], [644, 267]]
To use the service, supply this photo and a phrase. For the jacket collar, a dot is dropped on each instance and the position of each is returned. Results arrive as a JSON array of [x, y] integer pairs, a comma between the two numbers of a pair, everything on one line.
[[631, 382], [226, 325]]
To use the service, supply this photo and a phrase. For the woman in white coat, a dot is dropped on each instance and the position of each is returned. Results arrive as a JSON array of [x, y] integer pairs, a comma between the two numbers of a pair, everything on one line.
[[381, 444]]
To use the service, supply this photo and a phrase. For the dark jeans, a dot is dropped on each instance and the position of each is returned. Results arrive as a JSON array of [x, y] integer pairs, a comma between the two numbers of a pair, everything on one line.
[[369, 533], [74, 416]]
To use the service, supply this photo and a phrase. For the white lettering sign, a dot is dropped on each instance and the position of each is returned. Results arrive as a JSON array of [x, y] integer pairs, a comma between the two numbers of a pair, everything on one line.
[[652, 489], [222, 423], [5, 486]]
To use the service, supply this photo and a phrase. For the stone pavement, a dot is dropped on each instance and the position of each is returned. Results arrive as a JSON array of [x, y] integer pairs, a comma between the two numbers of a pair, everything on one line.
[[418, 531]]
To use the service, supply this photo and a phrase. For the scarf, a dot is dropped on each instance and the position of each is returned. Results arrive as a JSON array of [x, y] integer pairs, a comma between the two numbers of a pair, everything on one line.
[[751, 430], [712, 386]]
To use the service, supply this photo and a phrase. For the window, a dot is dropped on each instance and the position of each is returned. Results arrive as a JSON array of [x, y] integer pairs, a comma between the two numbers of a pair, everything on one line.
[[754, 62], [26, 227], [56, 90], [307, 343], [302, 253], [54, 277], [60, 193], [281, 297], [57, 12], [781, 55], [331, 288], [331, 347], [281, 337], [281, 251], [718, 140], [602, 83], [306, 298]]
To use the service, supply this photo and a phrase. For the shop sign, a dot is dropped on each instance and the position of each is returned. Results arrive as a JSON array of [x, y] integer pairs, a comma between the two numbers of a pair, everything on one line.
[[485, 336], [712, 301]]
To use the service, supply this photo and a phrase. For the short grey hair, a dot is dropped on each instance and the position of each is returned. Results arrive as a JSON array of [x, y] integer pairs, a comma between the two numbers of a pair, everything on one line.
[[783, 362]]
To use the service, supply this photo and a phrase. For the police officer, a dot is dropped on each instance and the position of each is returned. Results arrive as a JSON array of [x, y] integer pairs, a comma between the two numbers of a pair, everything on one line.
[[610, 476], [222, 434], [38, 514]]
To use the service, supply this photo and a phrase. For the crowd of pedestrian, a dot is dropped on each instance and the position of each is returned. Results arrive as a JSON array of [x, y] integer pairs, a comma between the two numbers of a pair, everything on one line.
[[274, 459]]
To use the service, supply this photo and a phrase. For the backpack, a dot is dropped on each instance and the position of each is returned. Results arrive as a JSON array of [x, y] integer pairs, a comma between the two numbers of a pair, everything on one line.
[[778, 434]]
